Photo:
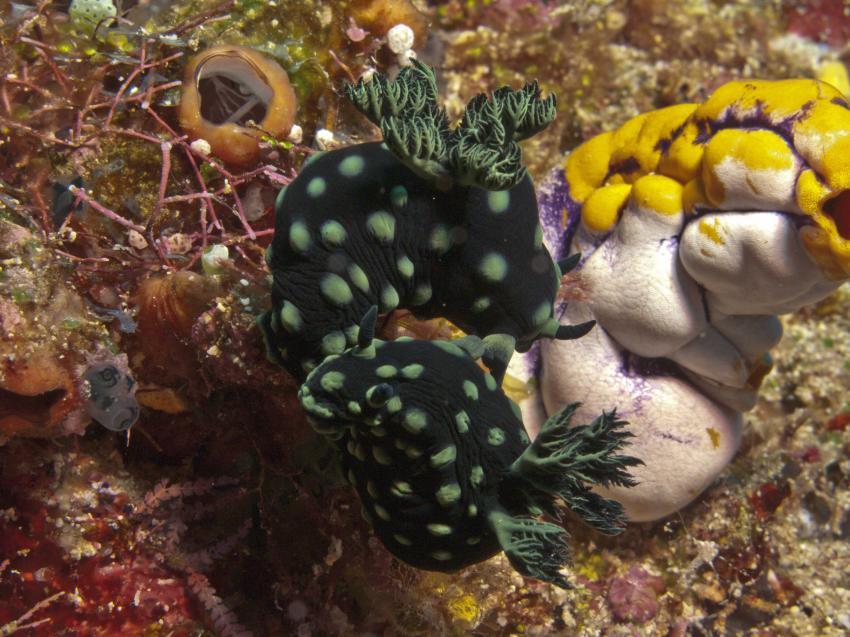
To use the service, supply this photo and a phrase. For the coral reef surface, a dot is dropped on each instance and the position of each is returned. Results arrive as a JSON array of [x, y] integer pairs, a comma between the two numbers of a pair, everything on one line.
[[220, 512]]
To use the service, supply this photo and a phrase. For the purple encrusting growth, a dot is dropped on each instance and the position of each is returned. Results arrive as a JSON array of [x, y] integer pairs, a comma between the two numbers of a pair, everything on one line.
[[556, 203], [757, 118]]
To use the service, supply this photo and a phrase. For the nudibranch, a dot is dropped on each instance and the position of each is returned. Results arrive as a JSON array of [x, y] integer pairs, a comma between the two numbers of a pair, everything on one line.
[[698, 225], [442, 463], [438, 221]]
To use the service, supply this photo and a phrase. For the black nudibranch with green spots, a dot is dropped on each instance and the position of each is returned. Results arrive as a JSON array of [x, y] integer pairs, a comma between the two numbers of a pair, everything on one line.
[[444, 222], [440, 221], [442, 463]]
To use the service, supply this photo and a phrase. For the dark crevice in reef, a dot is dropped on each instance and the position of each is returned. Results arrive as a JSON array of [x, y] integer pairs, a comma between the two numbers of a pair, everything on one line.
[[34, 409], [839, 209]]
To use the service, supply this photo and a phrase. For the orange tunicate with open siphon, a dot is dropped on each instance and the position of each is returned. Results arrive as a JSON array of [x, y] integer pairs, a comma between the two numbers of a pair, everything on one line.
[[227, 87]]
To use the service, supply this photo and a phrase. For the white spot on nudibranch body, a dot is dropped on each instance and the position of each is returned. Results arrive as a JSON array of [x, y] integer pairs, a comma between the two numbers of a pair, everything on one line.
[[493, 267], [317, 186], [481, 304], [381, 456], [415, 420], [398, 196], [462, 422], [381, 225], [333, 234], [439, 239], [405, 266], [414, 370], [443, 457], [290, 316], [351, 166], [332, 381], [358, 277], [439, 529], [335, 289], [495, 436], [299, 237], [476, 475], [389, 298], [498, 201], [448, 494], [386, 371], [421, 295], [333, 343]]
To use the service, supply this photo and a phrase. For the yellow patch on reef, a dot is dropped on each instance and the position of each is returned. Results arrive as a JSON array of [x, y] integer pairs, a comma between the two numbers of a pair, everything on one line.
[[715, 437], [624, 143], [587, 166], [659, 194], [640, 140], [830, 252], [464, 608], [712, 229], [162, 399], [637, 144], [823, 241], [834, 162], [834, 73], [755, 149], [599, 213], [811, 193], [683, 158], [591, 568], [775, 99], [657, 129], [743, 151], [693, 195], [720, 148]]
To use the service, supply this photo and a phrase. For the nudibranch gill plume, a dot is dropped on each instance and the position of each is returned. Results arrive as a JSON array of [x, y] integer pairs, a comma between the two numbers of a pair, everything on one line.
[[698, 224]]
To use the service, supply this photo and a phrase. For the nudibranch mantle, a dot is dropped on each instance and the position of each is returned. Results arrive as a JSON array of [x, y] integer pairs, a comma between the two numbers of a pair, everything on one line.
[[698, 224], [439, 220], [443, 464], [362, 229]]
